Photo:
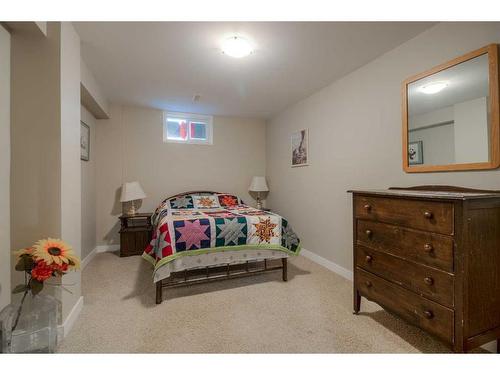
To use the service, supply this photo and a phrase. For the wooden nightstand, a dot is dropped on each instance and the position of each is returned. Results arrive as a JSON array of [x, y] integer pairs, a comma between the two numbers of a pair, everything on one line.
[[135, 233]]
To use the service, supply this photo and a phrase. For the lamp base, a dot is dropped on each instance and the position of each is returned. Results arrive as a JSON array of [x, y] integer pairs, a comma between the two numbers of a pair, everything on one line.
[[259, 203], [130, 210]]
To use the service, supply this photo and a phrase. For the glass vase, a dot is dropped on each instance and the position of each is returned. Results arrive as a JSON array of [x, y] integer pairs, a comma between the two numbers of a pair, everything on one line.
[[30, 326]]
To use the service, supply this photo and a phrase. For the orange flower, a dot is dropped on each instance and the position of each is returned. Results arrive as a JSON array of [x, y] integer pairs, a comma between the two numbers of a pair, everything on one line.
[[60, 267], [42, 271]]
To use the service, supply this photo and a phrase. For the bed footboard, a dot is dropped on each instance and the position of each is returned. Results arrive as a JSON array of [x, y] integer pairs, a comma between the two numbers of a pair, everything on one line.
[[220, 272]]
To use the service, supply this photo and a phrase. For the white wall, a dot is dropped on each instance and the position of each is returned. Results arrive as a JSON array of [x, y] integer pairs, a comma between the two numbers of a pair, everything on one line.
[[431, 118], [89, 190], [35, 138], [355, 140], [5, 250], [42, 26], [45, 141], [439, 141], [92, 96], [130, 147], [438, 144], [471, 131], [71, 225]]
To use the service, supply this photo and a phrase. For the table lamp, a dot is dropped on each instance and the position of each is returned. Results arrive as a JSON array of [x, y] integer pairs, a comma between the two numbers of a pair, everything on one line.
[[132, 191], [258, 185]]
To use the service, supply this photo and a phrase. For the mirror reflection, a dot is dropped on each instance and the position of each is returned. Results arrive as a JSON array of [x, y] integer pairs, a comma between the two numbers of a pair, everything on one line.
[[448, 115]]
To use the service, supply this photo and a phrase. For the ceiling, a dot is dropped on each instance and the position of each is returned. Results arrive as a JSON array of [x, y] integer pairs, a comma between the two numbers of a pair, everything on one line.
[[164, 64]]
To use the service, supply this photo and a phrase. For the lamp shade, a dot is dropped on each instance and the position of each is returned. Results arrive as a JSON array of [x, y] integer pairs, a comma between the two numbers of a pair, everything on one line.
[[258, 184], [132, 191]]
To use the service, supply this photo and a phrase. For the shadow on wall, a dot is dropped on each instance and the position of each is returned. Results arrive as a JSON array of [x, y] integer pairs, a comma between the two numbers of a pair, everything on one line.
[[112, 237], [117, 205]]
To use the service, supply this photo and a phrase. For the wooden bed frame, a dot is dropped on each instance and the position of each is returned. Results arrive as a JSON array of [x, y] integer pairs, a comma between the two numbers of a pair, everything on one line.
[[218, 272]]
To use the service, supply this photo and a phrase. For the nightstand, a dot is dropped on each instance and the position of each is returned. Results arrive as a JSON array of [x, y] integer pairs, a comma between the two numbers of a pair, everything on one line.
[[135, 233]]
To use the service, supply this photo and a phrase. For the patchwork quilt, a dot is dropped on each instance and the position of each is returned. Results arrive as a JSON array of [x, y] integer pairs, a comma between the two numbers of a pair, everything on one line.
[[195, 224]]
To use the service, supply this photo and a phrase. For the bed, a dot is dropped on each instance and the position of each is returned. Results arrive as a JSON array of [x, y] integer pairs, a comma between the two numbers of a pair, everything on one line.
[[202, 236]]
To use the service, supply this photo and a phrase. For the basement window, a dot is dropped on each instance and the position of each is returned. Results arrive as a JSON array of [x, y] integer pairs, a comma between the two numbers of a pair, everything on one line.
[[187, 128]]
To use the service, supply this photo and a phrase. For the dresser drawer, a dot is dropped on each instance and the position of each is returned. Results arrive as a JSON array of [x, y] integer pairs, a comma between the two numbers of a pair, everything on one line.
[[429, 282], [424, 247], [417, 310], [419, 214]]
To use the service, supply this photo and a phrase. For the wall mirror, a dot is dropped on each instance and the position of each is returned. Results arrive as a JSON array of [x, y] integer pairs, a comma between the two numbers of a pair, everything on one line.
[[451, 115]]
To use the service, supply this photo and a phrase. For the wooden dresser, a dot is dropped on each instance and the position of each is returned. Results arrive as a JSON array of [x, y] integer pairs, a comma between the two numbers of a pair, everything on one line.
[[431, 254]]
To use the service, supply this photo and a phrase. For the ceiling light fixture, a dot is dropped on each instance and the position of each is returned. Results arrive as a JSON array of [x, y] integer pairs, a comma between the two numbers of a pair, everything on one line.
[[237, 47], [433, 87]]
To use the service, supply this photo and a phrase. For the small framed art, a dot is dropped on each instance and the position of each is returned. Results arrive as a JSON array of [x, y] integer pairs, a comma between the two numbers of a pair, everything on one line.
[[84, 141], [300, 148], [415, 153]]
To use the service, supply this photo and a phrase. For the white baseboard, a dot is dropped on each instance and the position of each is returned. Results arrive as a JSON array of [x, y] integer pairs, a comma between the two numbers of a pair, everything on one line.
[[106, 248], [334, 267], [69, 322], [98, 249], [88, 258]]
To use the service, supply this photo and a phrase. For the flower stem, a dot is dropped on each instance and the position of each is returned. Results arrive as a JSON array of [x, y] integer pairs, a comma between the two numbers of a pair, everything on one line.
[[19, 310]]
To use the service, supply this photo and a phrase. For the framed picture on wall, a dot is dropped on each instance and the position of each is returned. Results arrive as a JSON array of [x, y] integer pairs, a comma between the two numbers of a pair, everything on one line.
[[415, 153], [300, 148], [84, 141]]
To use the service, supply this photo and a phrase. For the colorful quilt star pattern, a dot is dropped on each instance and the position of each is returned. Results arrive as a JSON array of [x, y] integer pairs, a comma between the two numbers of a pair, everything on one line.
[[264, 229], [228, 200], [213, 222], [206, 201], [185, 201], [231, 232], [192, 234]]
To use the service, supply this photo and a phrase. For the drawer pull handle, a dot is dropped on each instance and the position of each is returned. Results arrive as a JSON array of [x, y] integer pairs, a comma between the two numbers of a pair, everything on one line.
[[428, 247], [369, 233], [368, 283], [428, 215], [367, 207], [428, 314], [429, 280], [369, 259]]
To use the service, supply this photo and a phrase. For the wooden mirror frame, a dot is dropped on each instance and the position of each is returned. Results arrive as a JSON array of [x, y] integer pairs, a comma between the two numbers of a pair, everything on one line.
[[494, 162]]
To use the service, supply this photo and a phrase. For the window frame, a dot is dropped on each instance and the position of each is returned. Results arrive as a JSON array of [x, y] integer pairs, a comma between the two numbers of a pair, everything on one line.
[[189, 117]]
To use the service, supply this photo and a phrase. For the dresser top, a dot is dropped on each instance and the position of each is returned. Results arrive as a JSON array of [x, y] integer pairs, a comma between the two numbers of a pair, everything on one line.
[[430, 194]]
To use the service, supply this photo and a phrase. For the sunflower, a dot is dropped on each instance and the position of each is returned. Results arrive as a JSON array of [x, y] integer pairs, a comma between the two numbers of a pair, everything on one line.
[[26, 251], [53, 250]]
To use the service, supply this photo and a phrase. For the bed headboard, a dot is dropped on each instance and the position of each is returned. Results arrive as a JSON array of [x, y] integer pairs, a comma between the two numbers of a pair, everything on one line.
[[196, 192]]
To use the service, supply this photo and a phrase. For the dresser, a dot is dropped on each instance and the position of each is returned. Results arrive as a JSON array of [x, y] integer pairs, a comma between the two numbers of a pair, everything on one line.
[[431, 255]]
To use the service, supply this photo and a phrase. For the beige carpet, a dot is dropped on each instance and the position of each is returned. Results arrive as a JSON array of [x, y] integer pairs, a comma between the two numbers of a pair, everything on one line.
[[310, 313]]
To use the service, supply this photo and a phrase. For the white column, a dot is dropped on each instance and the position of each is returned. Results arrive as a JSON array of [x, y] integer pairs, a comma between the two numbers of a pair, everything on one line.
[[4, 168]]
